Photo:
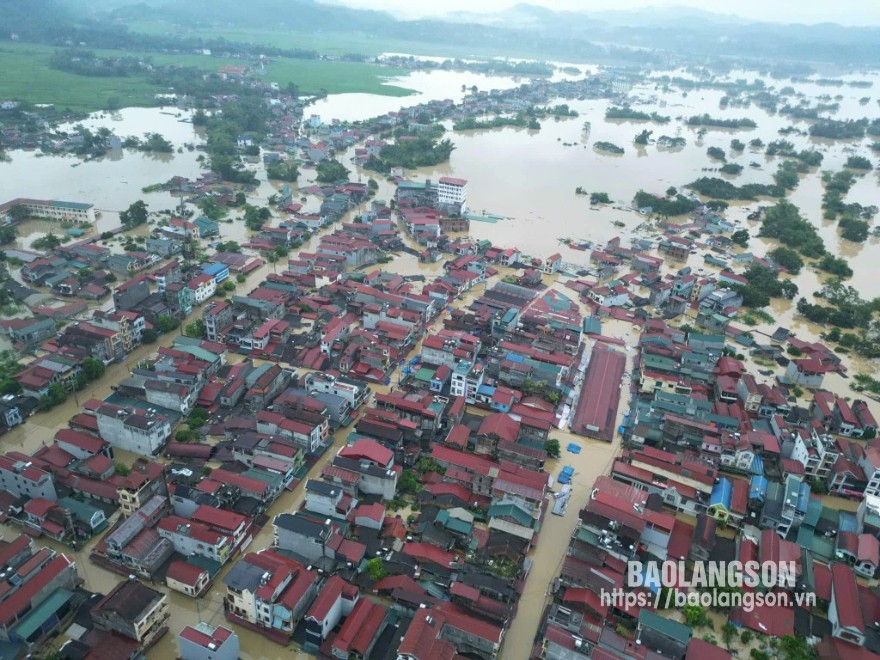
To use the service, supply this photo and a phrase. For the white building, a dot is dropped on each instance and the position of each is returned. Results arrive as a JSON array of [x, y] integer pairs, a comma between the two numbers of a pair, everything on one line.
[[452, 191], [138, 431], [53, 209]]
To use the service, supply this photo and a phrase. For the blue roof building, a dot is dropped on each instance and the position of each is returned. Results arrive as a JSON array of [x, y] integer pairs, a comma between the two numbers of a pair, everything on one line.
[[218, 271], [719, 500]]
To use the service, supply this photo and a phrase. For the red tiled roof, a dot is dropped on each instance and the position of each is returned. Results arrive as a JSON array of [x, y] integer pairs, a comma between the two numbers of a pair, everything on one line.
[[221, 634], [501, 425], [185, 572], [846, 597], [370, 450], [360, 628], [428, 552], [422, 639], [19, 600], [597, 407], [218, 518], [330, 593]]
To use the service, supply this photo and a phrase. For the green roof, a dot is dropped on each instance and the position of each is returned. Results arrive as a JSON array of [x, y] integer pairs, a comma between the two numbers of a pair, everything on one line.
[[672, 629], [212, 566], [81, 510], [266, 477], [453, 524], [425, 374], [76, 206], [41, 613], [511, 511]]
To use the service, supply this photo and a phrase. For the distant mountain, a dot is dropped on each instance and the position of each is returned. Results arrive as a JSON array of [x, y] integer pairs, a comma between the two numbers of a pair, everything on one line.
[[273, 14], [643, 36]]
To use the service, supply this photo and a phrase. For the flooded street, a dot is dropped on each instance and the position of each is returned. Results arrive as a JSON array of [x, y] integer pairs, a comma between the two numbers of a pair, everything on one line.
[[594, 460], [529, 177]]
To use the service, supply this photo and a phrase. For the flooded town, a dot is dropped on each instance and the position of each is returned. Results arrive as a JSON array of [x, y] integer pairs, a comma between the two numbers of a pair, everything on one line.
[[443, 369]]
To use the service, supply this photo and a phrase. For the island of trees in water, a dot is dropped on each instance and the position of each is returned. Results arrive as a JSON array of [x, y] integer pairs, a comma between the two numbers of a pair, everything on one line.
[[627, 113]]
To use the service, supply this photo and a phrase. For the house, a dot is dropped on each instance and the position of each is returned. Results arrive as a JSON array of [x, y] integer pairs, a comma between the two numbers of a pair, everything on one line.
[[21, 478], [442, 631], [328, 500], [138, 431], [807, 372], [668, 637], [191, 538], [206, 642], [303, 536], [37, 599], [845, 612], [133, 610], [187, 578], [360, 631], [335, 601], [270, 592]]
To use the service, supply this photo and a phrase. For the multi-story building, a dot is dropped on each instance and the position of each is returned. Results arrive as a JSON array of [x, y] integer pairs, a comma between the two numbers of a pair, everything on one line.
[[193, 538], [206, 642], [145, 481], [21, 478], [353, 392], [133, 610], [37, 585], [53, 209], [138, 431], [217, 317], [452, 193], [466, 380], [269, 591]]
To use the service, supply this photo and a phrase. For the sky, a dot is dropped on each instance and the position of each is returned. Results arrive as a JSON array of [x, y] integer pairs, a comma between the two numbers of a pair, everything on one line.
[[847, 12]]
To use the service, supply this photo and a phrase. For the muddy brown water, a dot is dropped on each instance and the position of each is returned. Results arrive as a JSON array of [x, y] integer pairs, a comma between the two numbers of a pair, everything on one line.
[[529, 177]]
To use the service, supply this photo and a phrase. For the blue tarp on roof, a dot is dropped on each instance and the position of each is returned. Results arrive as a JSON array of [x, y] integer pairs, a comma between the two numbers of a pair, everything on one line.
[[758, 488], [721, 494], [803, 500], [516, 357], [757, 466], [847, 523]]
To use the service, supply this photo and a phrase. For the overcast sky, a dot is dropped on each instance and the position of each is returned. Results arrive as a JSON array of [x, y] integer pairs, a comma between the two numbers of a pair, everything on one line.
[[848, 12]]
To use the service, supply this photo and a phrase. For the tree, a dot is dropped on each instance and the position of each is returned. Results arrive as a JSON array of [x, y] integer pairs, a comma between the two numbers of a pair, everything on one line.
[[741, 237], [195, 329], [197, 418], [211, 208], [92, 368], [643, 137], [409, 483], [788, 259], [47, 242], [283, 170], [240, 278], [7, 235], [728, 630], [167, 323], [671, 191], [229, 285], [375, 569], [149, 336], [134, 215], [121, 469], [795, 647], [18, 213], [695, 615], [552, 448], [331, 171]]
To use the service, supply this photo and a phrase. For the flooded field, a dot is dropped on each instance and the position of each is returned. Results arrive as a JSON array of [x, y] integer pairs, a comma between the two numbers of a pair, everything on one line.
[[527, 176]]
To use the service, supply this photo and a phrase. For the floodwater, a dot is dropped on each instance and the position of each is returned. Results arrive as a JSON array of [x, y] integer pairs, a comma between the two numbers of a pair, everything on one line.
[[529, 177]]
